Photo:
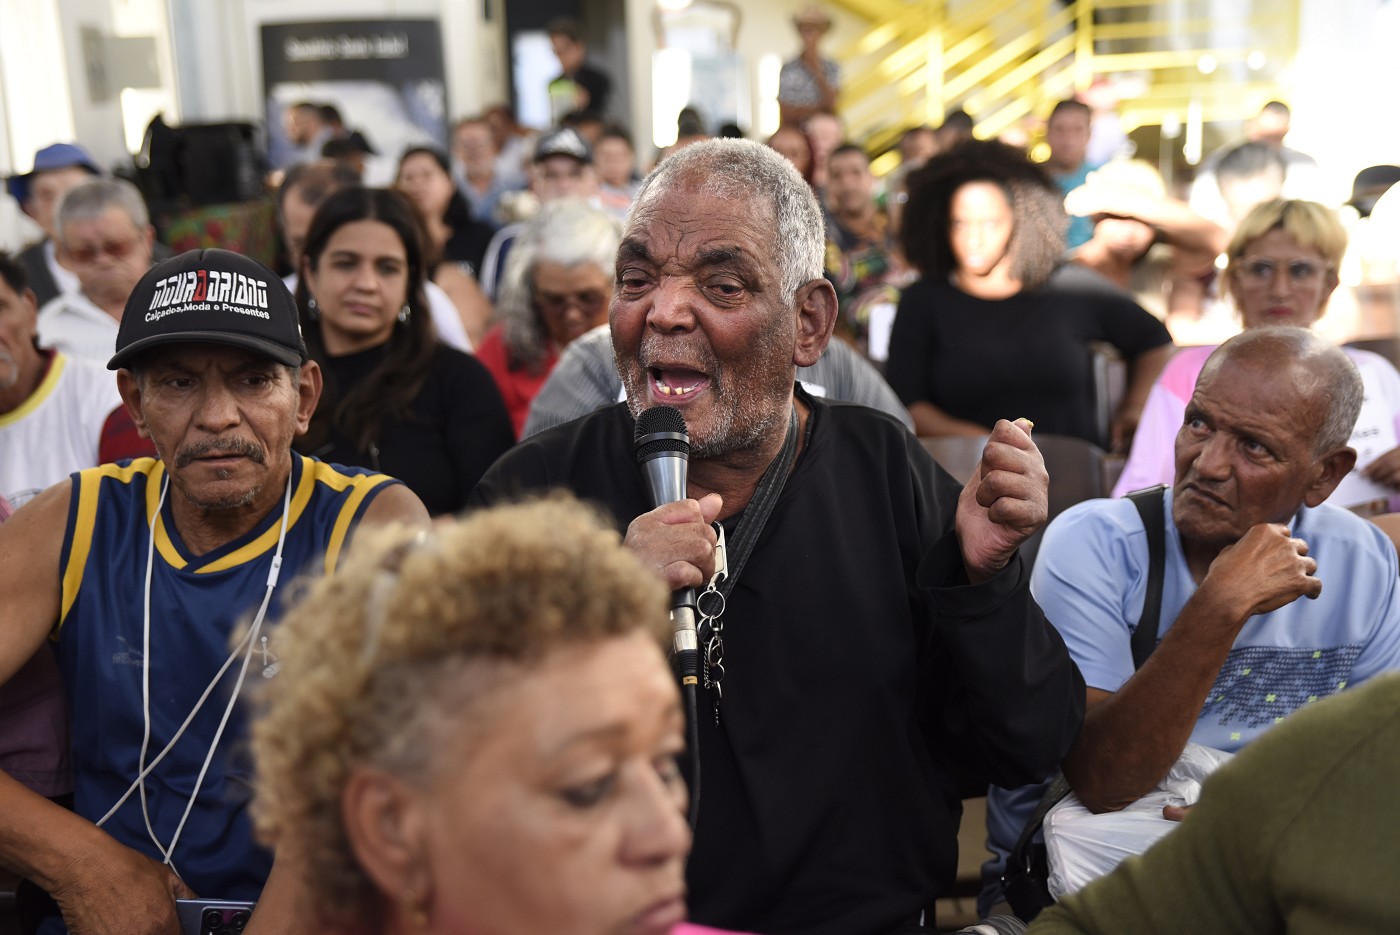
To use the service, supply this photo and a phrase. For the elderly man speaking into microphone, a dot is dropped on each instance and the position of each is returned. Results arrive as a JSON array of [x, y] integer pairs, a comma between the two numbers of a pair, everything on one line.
[[878, 642]]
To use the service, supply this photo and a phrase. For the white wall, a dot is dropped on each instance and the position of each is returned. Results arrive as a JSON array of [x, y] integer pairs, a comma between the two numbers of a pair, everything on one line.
[[765, 30], [46, 88], [222, 79], [1342, 88]]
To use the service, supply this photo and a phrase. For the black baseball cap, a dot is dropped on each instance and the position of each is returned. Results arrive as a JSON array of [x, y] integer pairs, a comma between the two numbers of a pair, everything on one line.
[[565, 141], [1370, 184], [213, 297]]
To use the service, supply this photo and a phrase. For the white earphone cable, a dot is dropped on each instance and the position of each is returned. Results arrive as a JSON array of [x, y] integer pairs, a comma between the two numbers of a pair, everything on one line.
[[244, 647]]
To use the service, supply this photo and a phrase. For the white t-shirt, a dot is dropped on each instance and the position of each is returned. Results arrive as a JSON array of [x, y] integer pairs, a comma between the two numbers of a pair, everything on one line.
[[65, 279], [78, 328], [57, 430]]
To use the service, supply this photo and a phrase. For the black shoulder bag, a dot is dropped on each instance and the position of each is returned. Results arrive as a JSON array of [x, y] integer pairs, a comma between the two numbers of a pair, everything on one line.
[[1025, 880]]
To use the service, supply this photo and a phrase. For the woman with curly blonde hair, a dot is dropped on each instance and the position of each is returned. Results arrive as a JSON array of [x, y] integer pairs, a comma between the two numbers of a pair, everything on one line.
[[476, 731]]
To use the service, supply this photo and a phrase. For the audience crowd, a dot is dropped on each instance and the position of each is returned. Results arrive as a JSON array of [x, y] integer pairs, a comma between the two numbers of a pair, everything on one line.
[[279, 630]]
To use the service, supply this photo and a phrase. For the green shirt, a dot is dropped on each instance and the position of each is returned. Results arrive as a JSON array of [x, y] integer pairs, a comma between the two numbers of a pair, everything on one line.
[[1300, 833]]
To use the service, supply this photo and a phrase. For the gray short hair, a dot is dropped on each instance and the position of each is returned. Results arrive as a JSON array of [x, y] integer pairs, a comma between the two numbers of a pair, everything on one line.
[[1340, 382], [569, 232], [743, 169], [91, 199], [1337, 381]]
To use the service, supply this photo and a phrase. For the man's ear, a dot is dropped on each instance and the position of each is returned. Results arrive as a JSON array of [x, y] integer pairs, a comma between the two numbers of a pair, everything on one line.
[[386, 827], [816, 317], [308, 395], [130, 389], [1331, 468]]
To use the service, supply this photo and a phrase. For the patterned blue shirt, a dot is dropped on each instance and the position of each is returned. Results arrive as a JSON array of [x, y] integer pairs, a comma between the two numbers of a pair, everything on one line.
[[1091, 578]]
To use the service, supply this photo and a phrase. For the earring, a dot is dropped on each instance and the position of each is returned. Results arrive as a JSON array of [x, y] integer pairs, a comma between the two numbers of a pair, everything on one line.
[[404, 312], [312, 311], [417, 909]]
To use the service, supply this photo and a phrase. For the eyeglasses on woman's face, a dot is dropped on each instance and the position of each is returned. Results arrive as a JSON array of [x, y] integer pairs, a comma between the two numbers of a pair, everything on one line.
[[1261, 271]]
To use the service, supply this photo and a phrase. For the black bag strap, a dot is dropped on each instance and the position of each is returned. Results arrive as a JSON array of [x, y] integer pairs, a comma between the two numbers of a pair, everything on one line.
[[1151, 506], [1026, 870]]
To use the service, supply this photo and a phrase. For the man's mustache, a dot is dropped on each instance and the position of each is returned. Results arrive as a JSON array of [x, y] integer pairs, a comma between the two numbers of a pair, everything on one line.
[[234, 446]]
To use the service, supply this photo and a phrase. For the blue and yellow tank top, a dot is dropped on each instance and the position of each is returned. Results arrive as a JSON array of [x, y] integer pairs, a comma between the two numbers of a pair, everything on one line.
[[197, 602]]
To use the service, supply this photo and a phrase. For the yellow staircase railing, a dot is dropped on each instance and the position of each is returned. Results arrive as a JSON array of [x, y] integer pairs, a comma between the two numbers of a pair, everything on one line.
[[1006, 60]]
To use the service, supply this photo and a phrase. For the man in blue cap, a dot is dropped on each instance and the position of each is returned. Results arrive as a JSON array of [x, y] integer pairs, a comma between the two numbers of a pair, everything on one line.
[[57, 168]]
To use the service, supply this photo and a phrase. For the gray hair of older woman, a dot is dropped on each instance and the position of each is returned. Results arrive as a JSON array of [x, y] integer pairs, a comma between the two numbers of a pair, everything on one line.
[[569, 232]]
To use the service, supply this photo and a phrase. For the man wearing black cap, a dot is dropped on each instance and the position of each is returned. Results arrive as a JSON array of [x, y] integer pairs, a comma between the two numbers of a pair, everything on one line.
[[140, 573], [563, 168]]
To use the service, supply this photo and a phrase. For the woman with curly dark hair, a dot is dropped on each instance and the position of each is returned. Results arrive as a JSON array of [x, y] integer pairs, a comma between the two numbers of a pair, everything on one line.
[[999, 327], [396, 399]]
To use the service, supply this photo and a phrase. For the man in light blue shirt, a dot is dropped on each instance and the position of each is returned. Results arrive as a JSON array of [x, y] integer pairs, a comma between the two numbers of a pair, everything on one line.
[[1067, 134], [1247, 535]]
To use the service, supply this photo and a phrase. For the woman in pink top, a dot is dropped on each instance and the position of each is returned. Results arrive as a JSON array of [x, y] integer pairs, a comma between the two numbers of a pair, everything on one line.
[[1282, 269], [476, 731]]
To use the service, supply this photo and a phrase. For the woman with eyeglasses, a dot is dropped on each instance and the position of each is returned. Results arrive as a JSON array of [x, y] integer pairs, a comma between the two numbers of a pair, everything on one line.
[[557, 286], [396, 399], [1281, 270], [477, 731]]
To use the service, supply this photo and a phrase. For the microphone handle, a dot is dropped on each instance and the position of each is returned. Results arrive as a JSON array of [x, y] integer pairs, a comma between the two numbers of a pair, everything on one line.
[[684, 639]]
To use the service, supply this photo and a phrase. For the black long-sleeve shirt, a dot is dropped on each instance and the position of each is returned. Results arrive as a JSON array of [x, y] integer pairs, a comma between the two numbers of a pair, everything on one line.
[[457, 427], [1028, 355], [863, 674]]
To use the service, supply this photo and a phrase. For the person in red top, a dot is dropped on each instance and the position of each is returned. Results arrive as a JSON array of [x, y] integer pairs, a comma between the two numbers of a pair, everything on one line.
[[558, 284]]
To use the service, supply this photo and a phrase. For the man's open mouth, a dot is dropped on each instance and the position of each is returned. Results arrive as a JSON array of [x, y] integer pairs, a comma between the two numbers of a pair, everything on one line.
[[678, 384]]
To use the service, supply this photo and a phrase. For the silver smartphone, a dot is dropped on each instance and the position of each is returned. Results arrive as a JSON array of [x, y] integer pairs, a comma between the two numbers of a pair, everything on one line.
[[213, 916]]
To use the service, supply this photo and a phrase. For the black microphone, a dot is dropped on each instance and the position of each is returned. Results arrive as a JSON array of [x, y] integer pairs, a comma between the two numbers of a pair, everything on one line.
[[662, 445]]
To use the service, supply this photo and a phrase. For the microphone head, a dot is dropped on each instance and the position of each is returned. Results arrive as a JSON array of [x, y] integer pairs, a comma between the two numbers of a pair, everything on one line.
[[660, 430]]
